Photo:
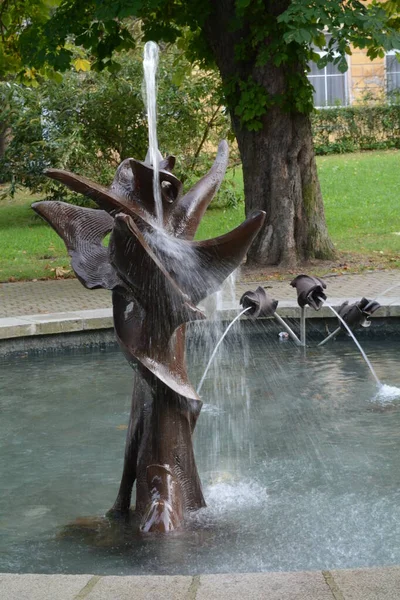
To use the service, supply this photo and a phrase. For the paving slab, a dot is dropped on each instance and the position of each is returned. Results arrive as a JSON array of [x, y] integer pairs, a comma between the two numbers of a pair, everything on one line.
[[41, 587], [264, 586], [368, 584], [42, 297], [11, 327], [141, 588], [56, 323]]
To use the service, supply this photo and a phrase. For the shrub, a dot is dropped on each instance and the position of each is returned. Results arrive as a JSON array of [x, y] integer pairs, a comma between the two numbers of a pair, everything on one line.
[[353, 128], [91, 121]]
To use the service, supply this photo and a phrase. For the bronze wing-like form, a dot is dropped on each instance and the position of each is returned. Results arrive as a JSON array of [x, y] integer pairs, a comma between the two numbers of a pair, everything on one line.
[[143, 262]]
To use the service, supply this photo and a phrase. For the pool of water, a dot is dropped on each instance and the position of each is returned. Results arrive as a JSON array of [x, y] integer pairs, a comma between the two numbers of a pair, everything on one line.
[[300, 462]]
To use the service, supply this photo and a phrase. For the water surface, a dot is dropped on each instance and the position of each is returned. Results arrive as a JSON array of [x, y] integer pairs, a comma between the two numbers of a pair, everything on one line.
[[299, 460]]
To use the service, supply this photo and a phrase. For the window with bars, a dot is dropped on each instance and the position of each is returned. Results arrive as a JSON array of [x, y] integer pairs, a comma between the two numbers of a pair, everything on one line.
[[330, 85], [392, 68]]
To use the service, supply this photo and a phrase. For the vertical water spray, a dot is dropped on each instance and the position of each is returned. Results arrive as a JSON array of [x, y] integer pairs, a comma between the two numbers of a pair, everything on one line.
[[150, 65]]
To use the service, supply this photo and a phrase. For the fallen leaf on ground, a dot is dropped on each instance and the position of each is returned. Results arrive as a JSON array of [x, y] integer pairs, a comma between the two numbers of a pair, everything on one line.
[[60, 271]]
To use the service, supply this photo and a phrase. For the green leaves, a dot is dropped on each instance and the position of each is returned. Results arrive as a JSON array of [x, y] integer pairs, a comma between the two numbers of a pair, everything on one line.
[[300, 36], [252, 103], [355, 128], [269, 35]]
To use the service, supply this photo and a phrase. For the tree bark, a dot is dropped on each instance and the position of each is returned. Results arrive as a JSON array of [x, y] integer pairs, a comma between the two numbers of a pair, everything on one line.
[[279, 169], [280, 177]]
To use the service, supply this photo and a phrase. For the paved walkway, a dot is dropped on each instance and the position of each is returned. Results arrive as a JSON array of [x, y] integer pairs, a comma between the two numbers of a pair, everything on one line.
[[44, 297], [357, 584]]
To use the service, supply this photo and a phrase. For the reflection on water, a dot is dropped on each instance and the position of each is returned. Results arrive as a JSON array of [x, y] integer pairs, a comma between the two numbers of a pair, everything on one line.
[[300, 461]]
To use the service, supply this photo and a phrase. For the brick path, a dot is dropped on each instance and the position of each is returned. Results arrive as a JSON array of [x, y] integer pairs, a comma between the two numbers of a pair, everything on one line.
[[44, 297]]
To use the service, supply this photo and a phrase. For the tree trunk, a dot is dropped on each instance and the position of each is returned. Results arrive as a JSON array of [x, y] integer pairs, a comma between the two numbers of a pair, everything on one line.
[[280, 177], [279, 169]]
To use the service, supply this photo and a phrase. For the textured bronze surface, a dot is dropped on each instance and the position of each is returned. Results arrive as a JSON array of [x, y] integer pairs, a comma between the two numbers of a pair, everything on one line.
[[310, 290], [157, 275], [358, 313], [258, 303]]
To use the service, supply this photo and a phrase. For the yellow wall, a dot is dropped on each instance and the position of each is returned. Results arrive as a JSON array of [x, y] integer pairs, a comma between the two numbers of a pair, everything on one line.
[[366, 78]]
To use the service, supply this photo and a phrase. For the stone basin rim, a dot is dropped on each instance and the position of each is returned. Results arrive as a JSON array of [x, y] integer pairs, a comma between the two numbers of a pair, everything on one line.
[[43, 324]]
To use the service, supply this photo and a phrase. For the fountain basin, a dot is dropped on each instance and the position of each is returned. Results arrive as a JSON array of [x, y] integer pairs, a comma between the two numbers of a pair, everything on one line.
[[298, 461]]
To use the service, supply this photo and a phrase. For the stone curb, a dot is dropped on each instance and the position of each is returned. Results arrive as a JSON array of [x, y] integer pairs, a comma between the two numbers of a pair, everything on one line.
[[50, 324], [91, 320], [350, 584]]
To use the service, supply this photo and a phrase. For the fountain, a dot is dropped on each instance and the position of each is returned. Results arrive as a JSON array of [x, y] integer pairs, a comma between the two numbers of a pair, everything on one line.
[[152, 226], [153, 298], [309, 475], [311, 292]]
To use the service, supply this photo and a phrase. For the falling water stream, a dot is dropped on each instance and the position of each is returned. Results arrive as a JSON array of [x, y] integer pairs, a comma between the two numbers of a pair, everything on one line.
[[385, 392], [379, 384], [221, 339], [150, 64]]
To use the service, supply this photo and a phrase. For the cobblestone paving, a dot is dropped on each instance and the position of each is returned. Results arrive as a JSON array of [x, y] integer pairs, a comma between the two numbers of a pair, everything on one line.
[[43, 297], [370, 285]]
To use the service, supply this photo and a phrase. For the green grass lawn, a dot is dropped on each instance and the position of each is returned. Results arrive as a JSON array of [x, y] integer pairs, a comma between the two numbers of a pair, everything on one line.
[[362, 200], [29, 248], [361, 197], [362, 204]]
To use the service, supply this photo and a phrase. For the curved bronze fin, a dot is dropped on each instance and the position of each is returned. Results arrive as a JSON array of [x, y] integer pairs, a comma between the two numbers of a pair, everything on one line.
[[207, 263], [187, 213], [134, 330], [123, 184], [105, 198], [167, 163], [165, 511], [171, 187], [83, 231]]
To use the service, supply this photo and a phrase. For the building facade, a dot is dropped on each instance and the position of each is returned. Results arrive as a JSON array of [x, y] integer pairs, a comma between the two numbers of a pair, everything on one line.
[[364, 81]]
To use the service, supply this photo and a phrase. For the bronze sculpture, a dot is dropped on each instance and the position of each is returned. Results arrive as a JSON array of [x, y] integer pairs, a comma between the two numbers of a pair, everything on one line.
[[358, 313], [310, 290], [258, 303], [157, 276]]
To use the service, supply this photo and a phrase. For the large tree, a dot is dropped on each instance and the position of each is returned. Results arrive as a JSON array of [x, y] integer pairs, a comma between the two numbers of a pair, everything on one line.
[[262, 49]]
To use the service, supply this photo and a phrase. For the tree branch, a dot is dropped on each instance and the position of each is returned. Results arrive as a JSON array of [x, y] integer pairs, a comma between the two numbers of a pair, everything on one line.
[[205, 135]]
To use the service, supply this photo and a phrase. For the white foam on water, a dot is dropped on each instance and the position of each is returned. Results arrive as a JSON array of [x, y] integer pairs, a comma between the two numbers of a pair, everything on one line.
[[229, 500], [225, 496], [36, 512], [211, 409], [387, 394]]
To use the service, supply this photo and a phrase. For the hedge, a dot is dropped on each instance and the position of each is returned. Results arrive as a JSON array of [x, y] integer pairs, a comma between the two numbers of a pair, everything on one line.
[[353, 128]]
